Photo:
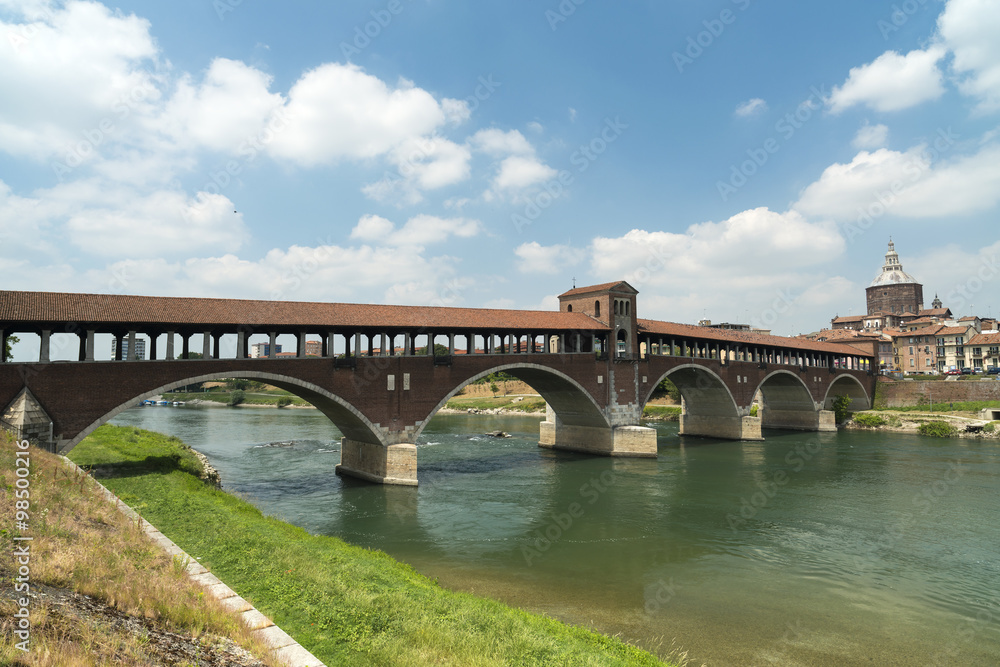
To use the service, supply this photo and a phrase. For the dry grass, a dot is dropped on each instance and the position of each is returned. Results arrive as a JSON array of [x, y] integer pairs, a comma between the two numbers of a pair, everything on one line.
[[83, 544]]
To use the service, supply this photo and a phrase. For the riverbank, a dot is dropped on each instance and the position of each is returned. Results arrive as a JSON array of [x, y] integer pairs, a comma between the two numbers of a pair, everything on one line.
[[346, 604], [98, 591], [909, 421]]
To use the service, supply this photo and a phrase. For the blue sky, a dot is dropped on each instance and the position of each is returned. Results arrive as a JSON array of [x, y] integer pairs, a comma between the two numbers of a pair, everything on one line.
[[736, 160]]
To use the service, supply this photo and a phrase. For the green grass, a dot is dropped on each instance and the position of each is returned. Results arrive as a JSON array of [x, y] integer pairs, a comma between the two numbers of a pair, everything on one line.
[[963, 406], [250, 398], [870, 419], [526, 404], [664, 412], [348, 605]]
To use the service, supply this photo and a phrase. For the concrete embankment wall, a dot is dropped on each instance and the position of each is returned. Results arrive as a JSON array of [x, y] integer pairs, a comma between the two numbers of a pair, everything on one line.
[[505, 388], [903, 393]]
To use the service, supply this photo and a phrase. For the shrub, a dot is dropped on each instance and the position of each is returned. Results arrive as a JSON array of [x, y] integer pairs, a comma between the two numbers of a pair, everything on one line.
[[237, 397], [936, 429], [989, 428], [841, 406], [753, 410], [284, 401], [869, 419]]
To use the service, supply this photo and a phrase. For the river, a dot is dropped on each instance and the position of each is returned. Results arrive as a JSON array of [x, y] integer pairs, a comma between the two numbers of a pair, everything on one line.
[[855, 548]]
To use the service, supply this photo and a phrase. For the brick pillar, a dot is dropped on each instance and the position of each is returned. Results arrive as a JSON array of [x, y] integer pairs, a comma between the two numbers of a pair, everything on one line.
[[170, 344], [206, 346], [272, 350]]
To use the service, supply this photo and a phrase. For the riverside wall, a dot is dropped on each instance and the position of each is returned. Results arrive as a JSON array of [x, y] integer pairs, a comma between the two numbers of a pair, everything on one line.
[[903, 393]]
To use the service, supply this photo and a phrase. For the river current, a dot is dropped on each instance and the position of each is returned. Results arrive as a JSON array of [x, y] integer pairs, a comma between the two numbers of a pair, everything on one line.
[[854, 548]]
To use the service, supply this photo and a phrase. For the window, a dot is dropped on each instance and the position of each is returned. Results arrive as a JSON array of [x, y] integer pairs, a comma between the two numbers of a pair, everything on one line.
[[911, 349], [911, 363], [616, 306], [597, 308], [569, 308], [928, 363]]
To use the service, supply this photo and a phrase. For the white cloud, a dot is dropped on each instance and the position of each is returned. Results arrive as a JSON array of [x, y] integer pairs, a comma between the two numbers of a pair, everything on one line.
[[496, 142], [72, 68], [519, 172], [339, 111], [231, 104], [871, 136], [907, 184], [456, 112], [751, 267], [970, 28], [752, 107], [892, 82], [420, 230], [536, 258]]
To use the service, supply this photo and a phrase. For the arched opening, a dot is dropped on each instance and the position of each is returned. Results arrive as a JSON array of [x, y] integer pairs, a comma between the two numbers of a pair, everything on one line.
[[571, 403], [786, 403], [597, 308], [850, 386], [569, 308], [621, 347], [708, 407], [344, 416]]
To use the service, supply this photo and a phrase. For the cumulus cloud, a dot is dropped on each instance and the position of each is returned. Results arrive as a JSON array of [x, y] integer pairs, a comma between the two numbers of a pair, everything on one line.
[[536, 258], [340, 111], [892, 82], [496, 142], [871, 136], [751, 267], [420, 230], [970, 28], [752, 107], [520, 172], [918, 183]]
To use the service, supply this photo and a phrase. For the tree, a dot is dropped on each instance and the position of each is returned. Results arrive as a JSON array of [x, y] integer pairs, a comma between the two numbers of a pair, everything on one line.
[[284, 401], [494, 388], [7, 354], [668, 388], [236, 398], [841, 408]]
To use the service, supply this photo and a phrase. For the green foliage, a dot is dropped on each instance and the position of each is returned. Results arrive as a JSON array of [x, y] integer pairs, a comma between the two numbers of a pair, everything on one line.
[[668, 388], [7, 355], [237, 397], [345, 604], [960, 406], [284, 401], [754, 409], [937, 429], [494, 388], [989, 428], [869, 419], [841, 408], [670, 413]]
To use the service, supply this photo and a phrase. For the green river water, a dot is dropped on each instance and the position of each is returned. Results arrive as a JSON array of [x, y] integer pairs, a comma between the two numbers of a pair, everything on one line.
[[855, 548]]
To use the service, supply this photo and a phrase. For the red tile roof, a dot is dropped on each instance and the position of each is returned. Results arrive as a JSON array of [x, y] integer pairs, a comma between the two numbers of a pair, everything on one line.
[[98, 309], [732, 336], [935, 312], [603, 287], [985, 339], [846, 318], [953, 331]]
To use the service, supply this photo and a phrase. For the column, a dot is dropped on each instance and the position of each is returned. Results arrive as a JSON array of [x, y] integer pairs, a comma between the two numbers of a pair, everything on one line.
[[206, 346], [43, 352], [300, 347], [81, 354], [131, 346], [170, 344], [328, 344], [218, 345], [185, 345], [3, 345], [119, 341], [272, 349], [152, 346], [357, 344], [451, 344]]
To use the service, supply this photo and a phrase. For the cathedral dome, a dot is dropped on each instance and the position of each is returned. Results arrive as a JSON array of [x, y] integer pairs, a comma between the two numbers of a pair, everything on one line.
[[892, 271]]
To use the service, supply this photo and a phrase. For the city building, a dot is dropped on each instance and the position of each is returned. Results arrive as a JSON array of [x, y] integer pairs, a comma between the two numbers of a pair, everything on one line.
[[894, 291], [140, 349], [258, 350]]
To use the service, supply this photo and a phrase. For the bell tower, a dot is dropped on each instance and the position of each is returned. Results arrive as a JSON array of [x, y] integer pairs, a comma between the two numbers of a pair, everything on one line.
[[612, 304]]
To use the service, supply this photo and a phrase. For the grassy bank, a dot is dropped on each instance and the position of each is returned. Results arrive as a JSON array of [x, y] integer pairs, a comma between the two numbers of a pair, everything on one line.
[[139, 606], [348, 605]]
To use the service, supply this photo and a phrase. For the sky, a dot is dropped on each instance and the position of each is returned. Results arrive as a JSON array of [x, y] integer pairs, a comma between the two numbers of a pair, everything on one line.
[[735, 160]]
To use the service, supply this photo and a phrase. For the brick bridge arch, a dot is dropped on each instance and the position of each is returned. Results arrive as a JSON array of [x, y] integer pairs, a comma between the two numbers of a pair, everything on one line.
[[847, 384], [347, 418], [707, 399], [571, 403]]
